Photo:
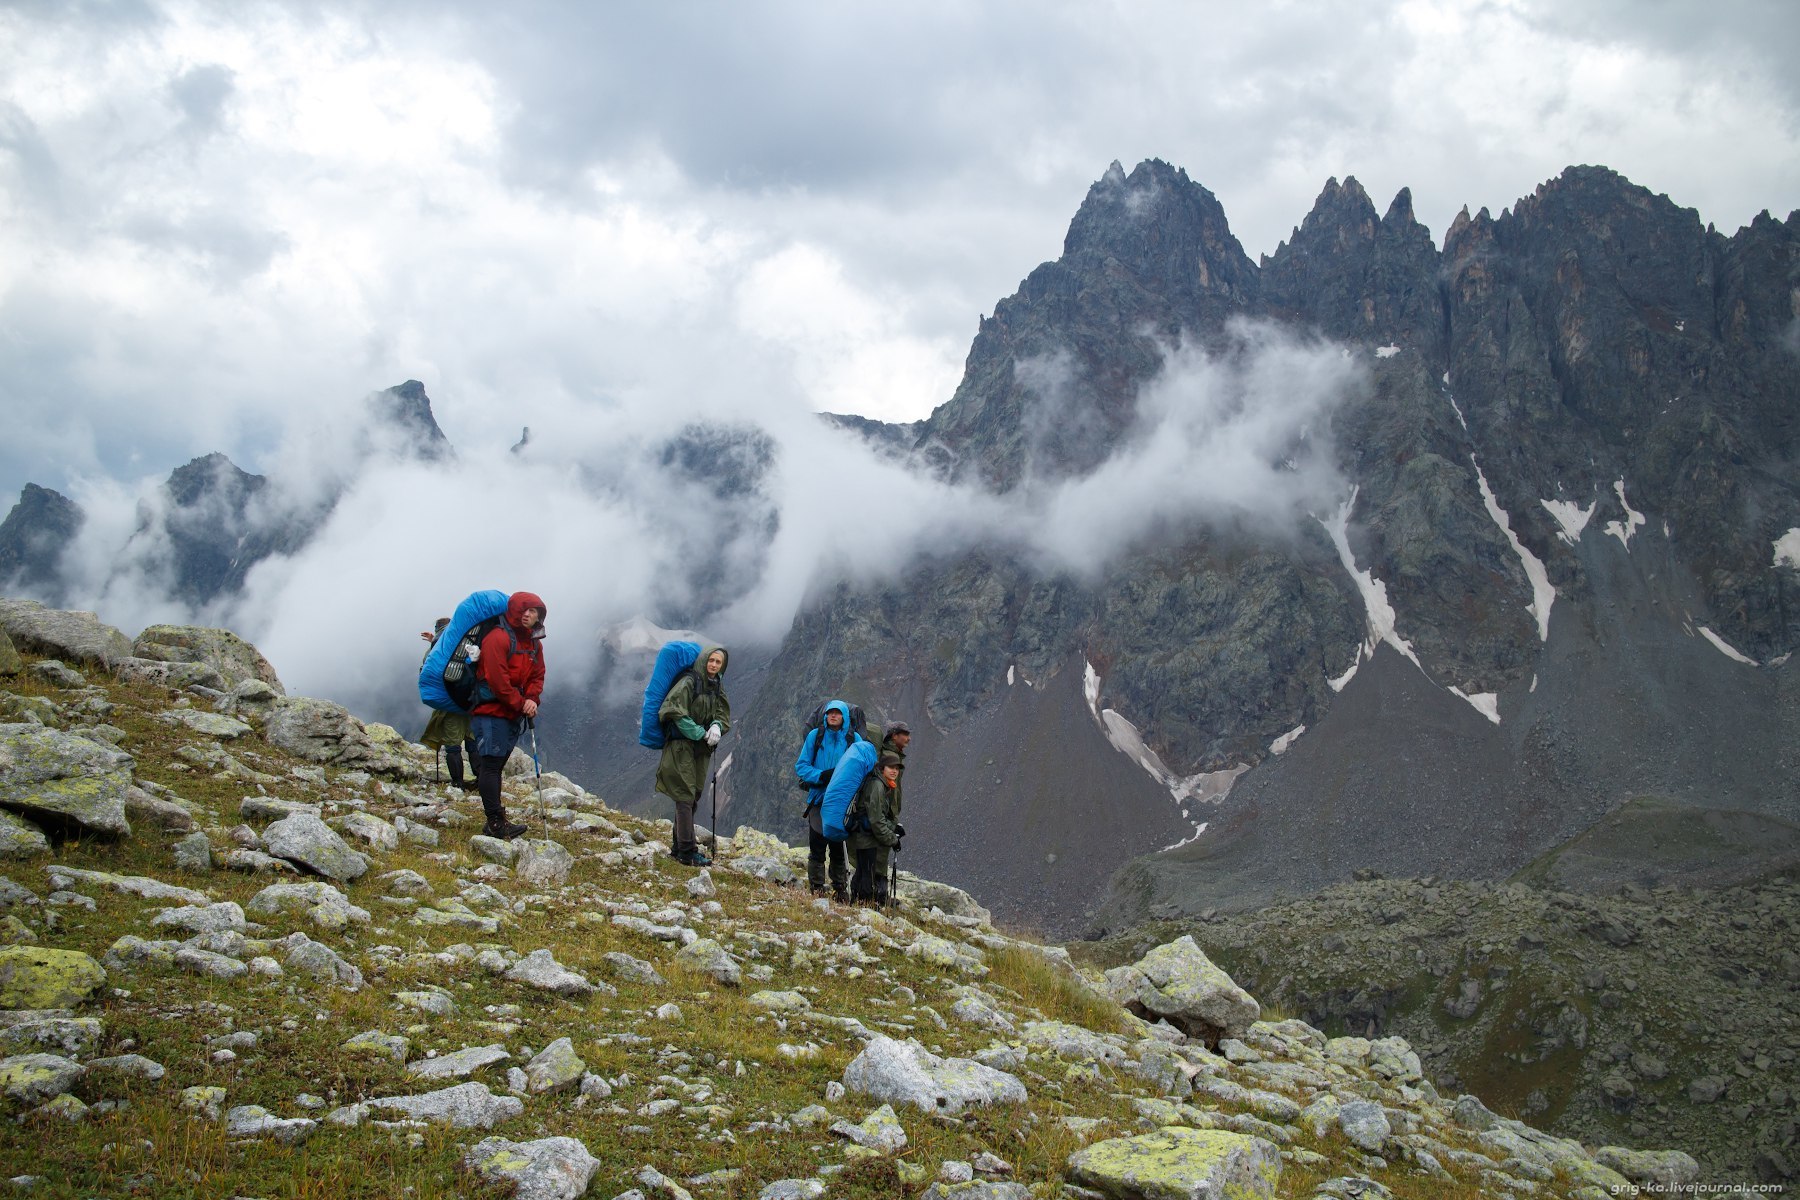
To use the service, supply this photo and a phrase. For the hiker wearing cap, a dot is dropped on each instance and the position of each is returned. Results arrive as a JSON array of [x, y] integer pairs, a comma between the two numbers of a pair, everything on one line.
[[819, 754], [449, 730], [694, 715], [511, 670], [875, 816], [893, 739]]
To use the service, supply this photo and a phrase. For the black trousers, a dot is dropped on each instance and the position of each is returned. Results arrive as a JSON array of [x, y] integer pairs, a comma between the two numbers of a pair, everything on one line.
[[818, 851], [870, 880], [487, 781], [453, 758]]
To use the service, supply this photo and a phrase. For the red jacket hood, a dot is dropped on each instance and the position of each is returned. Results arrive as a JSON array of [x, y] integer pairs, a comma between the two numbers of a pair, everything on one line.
[[518, 602]]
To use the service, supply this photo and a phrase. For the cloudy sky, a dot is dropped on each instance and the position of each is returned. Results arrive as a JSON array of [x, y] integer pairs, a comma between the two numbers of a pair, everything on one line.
[[214, 217], [222, 224]]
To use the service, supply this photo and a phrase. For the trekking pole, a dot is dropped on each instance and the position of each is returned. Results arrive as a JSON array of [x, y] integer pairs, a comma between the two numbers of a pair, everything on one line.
[[894, 878], [538, 768], [713, 828]]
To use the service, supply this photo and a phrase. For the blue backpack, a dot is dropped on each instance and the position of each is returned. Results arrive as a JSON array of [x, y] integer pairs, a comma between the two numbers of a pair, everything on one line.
[[846, 780], [446, 679], [671, 661]]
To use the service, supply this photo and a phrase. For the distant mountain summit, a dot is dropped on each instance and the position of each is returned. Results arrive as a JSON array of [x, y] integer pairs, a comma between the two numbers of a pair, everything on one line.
[[406, 409], [1550, 583], [200, 533], [32, 539]]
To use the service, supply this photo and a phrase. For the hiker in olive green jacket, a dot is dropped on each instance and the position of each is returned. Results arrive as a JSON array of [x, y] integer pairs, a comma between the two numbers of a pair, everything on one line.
[[694, 715], [874, 829], [893, 739]]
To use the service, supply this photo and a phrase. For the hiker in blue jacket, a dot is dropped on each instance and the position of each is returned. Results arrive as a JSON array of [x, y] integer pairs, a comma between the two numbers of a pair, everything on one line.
[[819, 754]]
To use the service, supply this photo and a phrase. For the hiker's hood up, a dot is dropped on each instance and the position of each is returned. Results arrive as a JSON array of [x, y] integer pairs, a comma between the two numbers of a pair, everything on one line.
[[519, 603]]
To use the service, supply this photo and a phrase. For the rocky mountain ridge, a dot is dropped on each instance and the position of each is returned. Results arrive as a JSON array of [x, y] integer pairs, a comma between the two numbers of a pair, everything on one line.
[[255, 947], [1552, 581]]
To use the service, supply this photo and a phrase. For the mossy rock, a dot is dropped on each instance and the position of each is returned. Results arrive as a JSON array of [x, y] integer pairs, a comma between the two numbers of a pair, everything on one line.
[[222, 650], [41, 977], [1178, 1163], [65, 777], [10, 662]]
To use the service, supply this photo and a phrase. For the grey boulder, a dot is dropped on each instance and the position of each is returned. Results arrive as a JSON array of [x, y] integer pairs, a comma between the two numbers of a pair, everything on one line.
[[907, 1073], [552, 1168], [305, 839], [56, 776]]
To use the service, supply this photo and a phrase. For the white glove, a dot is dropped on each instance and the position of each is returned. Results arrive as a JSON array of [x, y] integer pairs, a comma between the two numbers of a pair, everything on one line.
[[713, 734]]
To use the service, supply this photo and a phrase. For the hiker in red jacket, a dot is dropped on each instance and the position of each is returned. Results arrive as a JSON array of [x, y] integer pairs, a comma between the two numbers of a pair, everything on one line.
[[511, 669]]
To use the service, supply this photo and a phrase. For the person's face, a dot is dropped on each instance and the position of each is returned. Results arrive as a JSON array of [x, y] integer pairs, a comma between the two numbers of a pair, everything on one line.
[[901, 739], [834, 719], [715, 662], [528, 618], [891, 774]]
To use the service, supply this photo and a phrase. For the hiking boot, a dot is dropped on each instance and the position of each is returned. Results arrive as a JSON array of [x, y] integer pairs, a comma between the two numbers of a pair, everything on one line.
[[505, 830], [698, 858], [841, 896]]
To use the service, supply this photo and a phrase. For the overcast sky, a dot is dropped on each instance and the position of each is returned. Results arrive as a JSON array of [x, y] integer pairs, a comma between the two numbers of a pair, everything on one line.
[[218, 218]]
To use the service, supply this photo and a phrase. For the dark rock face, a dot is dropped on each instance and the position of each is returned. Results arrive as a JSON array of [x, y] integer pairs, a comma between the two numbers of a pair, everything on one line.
[[1595, 354], [32, 539], [406, 410], [1052, 377], [209, 522]]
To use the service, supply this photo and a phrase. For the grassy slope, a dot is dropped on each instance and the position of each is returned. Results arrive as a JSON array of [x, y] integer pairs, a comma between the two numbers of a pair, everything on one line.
[[724, 1059]]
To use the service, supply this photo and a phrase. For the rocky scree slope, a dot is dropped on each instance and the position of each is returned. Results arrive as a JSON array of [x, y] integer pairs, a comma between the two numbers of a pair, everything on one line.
[[1600, 1018], [251, 948], [1554, 579]]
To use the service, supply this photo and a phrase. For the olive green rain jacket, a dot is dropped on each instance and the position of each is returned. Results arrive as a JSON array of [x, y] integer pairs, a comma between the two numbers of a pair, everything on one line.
[[691, 705], [885, 745], [881, 805]]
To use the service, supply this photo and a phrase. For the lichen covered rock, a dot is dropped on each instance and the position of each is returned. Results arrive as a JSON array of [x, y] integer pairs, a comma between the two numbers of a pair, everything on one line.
[[1177, 1163], [65, 777], [42, 977], [1178, 983]]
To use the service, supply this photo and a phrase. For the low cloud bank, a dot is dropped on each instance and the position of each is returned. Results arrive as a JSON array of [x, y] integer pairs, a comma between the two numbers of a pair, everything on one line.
[[691, 519]]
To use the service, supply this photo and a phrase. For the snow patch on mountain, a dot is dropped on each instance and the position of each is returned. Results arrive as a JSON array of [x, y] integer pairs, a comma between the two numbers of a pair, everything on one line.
[[1280, 744], [642, 634], [1455, 407], [1485, 703], [1339, 683], [1208, 787], [1624, 529], [1570, 516], [1387, 351], [1542, 594], [1726, 648], [1381, 616]]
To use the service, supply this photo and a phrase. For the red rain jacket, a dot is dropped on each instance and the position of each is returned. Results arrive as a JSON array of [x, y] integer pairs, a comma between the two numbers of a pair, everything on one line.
[[512, 660]]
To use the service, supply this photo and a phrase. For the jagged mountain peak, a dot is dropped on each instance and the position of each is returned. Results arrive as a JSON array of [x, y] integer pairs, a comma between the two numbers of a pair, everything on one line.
[[1157, 221], [406, 409], [1400, 211], [210, 474], [32, 539]]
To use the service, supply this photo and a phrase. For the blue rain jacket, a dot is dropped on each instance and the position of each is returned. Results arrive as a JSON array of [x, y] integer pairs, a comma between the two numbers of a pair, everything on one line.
[[821, 751]]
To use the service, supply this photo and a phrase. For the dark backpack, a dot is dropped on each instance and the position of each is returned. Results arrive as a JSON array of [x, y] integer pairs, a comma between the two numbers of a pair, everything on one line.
[[462, 678]]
